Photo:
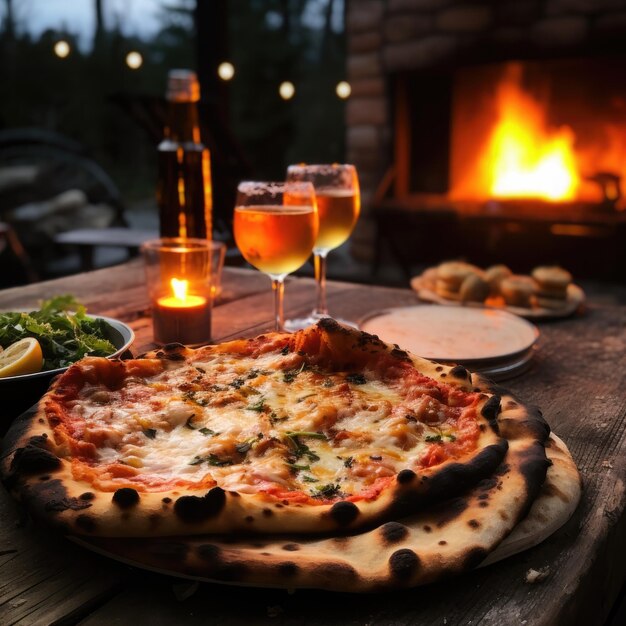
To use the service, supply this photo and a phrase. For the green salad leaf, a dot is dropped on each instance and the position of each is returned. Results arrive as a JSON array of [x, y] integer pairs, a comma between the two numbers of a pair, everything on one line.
[[63, 329]]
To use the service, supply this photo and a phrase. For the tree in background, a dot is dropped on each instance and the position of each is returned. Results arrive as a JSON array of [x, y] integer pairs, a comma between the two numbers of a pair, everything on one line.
[[270, 41], [287, 40]]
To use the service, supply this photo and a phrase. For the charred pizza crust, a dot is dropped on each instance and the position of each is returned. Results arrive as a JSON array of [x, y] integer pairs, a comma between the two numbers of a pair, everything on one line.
[[37, 467], [455, 536]]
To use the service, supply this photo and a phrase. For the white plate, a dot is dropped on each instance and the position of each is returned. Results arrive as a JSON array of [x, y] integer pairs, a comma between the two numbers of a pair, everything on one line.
[[454, 334]]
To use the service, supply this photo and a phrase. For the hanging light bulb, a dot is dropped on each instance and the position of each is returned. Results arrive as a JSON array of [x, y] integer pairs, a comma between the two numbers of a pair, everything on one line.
[[134, 60], [343, 89], [226, 70], [286, 90], [62, 48]]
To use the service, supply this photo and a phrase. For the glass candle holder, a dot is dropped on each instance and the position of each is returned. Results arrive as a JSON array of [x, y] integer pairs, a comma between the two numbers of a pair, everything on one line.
[[183, 276]]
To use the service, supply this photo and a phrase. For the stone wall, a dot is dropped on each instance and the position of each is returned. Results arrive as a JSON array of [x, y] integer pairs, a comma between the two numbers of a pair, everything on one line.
[[390, 36]]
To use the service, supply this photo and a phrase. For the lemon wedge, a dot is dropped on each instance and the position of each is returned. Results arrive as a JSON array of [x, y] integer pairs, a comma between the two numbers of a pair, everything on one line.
[[22, 357]]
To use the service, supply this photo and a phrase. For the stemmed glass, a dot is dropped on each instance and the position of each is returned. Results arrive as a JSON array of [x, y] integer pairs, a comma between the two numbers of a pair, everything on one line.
[[275, 227], [338, 206]]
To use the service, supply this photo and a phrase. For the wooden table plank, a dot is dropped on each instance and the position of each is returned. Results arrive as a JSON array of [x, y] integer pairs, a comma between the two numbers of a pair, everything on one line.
[[578, 378], [44, 578], [120, 291]]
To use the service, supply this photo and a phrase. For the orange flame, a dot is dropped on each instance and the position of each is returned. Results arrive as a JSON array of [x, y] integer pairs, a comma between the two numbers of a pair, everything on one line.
[[527, 158], [179, 287]]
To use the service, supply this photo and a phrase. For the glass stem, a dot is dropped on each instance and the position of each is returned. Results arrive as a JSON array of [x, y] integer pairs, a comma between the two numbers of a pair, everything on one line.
[[321, 309], [278, 287]]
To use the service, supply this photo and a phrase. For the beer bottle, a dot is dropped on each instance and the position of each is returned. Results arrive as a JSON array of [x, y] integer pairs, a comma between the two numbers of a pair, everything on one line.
[[184, 193]]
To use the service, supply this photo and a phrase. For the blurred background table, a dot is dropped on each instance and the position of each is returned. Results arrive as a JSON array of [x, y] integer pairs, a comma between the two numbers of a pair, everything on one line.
[[578, 379]]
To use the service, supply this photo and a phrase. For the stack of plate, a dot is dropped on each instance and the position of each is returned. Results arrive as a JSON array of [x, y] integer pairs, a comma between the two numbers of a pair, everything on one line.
[[492, 342]]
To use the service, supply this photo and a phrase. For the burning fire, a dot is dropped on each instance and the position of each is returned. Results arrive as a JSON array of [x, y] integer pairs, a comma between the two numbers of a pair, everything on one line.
[[529, 159], [506, 148]]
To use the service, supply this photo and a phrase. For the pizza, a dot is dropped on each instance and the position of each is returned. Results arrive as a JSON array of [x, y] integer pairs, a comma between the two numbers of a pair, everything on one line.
[[448, 539], [274, 441]]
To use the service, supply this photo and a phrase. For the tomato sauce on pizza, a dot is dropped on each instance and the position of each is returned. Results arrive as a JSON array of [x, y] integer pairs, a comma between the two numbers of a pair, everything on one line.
[[280, 415]]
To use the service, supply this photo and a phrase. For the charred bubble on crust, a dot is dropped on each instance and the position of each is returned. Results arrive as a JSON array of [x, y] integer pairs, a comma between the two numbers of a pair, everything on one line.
[[473, 523], [291, 547], [194, 509], [401, 355], [392, 532], [404, 564], [474, 558], [125, 497], [331, 326], [166, 500], [267, 512], [174, 346], [34, 458], [288, 569], [406, 476], [458, 371], [86, 523], [344, 513], [88, 495], [490, 411]]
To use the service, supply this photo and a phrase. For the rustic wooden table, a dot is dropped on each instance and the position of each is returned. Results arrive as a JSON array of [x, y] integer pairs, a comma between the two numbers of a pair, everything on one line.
[[578, 379]]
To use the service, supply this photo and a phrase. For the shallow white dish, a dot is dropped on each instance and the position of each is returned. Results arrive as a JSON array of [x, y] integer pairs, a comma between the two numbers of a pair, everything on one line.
[[454, 334]]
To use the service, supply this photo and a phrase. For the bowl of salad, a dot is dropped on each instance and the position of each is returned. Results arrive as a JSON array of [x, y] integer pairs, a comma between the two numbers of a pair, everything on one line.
[[38, 345]]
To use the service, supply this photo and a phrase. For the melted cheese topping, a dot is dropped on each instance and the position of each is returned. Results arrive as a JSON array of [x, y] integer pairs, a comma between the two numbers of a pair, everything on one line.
[[273, 423]]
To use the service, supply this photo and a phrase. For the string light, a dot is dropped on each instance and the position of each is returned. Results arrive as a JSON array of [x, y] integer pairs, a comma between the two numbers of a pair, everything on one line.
[[343, 89], [226, 70], [134, 60], [286, 90], [62, 48]]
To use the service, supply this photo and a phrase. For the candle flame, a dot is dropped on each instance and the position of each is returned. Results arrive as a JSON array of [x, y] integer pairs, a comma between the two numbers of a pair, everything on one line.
[[179, 287]]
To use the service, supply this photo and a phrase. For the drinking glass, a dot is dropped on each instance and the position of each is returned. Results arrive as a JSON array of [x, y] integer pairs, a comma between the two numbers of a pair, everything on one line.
[[275, 228], [338, 206]]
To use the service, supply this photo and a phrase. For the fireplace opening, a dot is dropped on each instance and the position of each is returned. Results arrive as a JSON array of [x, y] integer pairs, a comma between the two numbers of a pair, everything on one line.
[[522, 162], [552, 131]]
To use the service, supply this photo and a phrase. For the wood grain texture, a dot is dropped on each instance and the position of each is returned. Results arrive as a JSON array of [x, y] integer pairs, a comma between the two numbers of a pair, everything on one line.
[[578, 378]]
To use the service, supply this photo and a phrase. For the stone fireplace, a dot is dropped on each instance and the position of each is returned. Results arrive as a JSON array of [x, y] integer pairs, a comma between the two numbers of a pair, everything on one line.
[[427, 79]]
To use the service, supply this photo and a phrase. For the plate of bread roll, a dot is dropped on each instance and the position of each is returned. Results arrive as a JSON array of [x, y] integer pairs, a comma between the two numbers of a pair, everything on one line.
[[547, 292]]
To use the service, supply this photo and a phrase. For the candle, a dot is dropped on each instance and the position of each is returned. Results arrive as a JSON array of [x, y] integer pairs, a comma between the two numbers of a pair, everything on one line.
[[181, 275], [182, 317]]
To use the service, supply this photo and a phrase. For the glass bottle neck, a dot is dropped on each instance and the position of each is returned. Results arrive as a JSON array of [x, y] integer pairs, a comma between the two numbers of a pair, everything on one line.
[[182, 123]]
